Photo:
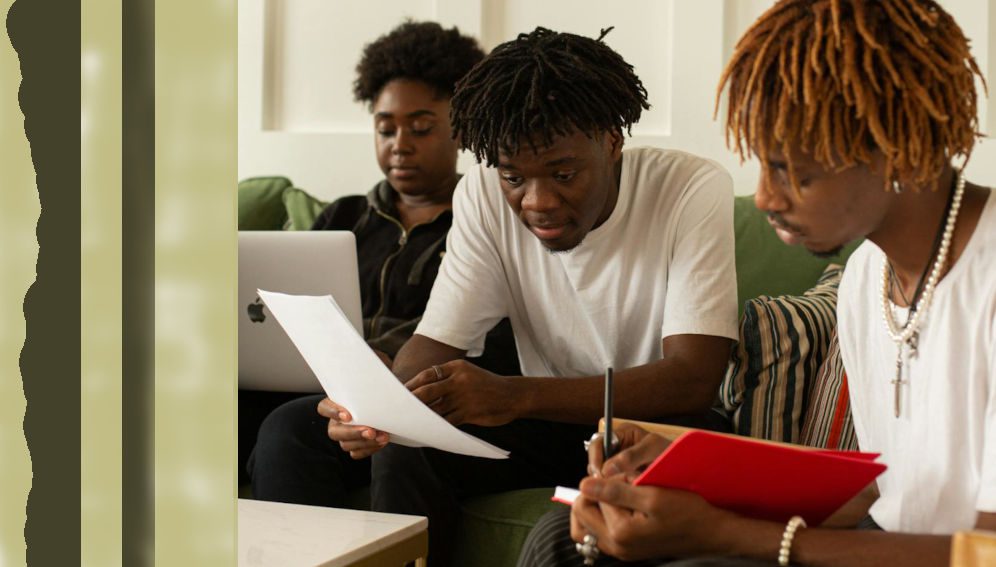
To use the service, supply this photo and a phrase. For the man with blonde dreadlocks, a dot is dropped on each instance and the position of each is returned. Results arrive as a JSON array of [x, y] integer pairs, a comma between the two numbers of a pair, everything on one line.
[[599, 257], [856, 110]]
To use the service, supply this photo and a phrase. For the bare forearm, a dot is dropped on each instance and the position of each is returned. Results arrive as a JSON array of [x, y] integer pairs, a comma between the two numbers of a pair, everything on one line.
[[421, 352], [857, 548], [820, 547], [861, 548], [665, 387]]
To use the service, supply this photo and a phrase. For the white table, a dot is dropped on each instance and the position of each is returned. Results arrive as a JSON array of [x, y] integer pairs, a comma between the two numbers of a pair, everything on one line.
[[272, 533]]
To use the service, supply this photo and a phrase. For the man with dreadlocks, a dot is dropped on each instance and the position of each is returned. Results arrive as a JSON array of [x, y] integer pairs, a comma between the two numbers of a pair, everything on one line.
[[599, 257], [856, 109]]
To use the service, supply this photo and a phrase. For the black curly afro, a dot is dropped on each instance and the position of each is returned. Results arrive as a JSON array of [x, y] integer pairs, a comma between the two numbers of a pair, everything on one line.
[[421, 51]]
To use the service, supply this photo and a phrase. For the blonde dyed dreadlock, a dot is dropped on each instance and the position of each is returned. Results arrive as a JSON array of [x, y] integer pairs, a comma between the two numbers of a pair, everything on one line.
[[841, 78]]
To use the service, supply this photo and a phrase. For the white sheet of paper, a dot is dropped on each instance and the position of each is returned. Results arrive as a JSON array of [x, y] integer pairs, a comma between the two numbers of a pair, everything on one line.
[[565, 495], [355, 378]]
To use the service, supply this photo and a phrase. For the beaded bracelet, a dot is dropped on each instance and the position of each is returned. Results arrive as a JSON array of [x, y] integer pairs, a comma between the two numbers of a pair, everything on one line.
[[790, 528]]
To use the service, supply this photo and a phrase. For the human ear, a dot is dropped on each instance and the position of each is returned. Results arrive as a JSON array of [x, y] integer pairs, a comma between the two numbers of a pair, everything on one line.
[[615, 141]]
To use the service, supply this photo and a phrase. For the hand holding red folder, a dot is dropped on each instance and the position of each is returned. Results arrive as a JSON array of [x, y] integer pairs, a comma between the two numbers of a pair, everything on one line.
[[762, 480], [759, 479]]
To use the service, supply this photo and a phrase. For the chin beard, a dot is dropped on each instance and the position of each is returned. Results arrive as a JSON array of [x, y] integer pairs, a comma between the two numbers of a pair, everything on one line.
[[827, 254], [555, 251]]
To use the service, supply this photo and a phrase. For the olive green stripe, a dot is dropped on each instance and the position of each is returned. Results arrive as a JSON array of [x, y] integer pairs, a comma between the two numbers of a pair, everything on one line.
[[138, 282], [48, 51]]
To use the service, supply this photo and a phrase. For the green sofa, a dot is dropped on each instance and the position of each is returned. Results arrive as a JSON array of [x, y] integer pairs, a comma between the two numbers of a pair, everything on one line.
[[493, 527]]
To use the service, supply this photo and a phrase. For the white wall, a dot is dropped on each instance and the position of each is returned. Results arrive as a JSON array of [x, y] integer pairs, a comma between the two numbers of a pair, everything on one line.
[[296, 61]]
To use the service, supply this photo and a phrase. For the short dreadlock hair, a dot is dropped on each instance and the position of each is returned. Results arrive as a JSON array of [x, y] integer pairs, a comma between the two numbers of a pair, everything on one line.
[[419, 51], [541, 85], [841, 78]]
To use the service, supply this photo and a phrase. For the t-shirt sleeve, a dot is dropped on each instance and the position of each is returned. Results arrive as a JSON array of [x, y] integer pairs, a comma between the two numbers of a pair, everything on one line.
[[469, 296], [702, 277], [986, 501]]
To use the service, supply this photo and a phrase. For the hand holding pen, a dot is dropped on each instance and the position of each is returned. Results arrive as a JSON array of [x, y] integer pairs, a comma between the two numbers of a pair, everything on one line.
[[622, 448]]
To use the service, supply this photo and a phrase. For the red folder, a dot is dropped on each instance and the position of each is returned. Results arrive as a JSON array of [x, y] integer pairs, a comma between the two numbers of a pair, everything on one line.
[[762, 480]]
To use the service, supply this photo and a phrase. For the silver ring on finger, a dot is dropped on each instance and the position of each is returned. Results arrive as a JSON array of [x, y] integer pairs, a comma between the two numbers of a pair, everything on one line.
[[598, 435], [438, 371], [588, 548]]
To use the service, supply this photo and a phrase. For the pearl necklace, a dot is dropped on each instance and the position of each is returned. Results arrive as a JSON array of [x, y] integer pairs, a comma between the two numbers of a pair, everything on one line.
[[906, 336]]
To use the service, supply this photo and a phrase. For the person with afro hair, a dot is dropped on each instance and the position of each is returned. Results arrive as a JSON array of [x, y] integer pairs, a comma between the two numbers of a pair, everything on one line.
[[600, 258], [406, 78], [863, 114]]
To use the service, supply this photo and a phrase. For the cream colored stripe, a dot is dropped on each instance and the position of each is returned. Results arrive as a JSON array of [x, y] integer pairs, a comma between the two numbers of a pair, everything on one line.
[[100, 393], [195, 263], [19, 212]]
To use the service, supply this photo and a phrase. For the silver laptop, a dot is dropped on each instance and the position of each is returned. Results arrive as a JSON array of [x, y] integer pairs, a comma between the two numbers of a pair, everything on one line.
[[317, 262]]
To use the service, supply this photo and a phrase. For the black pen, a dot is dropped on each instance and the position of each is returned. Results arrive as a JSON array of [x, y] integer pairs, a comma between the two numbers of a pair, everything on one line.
[[607, 445]]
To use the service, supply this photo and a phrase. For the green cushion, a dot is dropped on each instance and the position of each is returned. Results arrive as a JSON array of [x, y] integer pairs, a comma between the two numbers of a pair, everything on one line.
[[494, 527], [302, 209], [768, 266], [261, 204]]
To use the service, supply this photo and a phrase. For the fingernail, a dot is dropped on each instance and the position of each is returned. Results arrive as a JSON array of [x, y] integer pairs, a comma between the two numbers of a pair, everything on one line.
[[591, 488], [369, 434], [593, 471], [611, 469], [343, 416]]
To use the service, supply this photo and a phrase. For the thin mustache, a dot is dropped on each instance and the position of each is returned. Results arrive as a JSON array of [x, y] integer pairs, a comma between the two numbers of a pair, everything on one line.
[[778, 220]]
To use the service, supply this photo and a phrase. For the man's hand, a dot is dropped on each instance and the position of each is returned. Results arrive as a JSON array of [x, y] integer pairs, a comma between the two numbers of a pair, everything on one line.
[[464, 393], [641, 522], [357, 440], [384, 358], [637, 449]]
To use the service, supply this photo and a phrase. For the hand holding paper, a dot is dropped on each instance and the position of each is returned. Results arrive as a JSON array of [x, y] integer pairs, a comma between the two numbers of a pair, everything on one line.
[[359, 441], [463, 392], [355, 377]]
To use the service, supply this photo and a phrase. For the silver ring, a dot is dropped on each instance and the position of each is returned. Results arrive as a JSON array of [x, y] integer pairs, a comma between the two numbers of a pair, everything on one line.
[[588, 548], [438, 371], [598, 435]]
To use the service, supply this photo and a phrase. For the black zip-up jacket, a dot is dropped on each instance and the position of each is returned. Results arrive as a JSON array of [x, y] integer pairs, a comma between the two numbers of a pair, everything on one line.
[[397, 270]]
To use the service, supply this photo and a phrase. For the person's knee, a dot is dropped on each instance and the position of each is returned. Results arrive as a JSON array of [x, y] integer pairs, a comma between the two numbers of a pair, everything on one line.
[[553, 523], [402, 481], [288, 428], [397, 463], [545, 543]]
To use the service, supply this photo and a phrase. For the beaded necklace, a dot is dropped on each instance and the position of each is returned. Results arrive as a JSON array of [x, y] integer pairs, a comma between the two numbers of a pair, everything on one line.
[[905, 337]]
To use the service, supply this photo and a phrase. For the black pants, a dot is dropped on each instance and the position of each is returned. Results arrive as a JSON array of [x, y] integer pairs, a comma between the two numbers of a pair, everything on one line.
[[253, 407], [429, 482], [294, 460]]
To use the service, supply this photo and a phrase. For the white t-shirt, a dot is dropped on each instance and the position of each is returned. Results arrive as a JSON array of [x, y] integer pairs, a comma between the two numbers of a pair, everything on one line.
[[941, 451], [661, 264]]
